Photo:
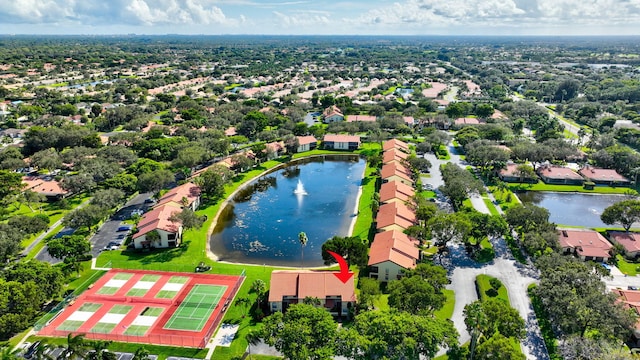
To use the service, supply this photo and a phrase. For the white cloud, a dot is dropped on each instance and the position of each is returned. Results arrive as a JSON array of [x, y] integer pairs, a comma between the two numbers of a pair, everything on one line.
[[302, 18], [130, 12], [480, 16]]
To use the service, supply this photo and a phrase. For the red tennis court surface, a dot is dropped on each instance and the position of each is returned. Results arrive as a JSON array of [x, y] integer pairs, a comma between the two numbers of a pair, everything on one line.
[[152, 307]]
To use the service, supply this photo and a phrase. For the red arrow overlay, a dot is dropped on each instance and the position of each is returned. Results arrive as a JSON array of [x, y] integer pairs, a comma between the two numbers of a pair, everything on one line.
[[344, 275]]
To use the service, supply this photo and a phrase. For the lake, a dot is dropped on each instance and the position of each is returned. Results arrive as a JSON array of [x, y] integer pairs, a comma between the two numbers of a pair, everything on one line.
[[262, 222], [575, 209]]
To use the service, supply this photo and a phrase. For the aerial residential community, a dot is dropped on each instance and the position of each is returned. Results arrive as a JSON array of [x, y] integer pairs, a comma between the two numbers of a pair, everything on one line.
[[316, 197]]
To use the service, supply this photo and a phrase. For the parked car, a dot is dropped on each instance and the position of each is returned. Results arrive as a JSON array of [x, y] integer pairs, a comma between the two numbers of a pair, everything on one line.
[[31, 350], [121, 237], [124, 228], [149, 201]]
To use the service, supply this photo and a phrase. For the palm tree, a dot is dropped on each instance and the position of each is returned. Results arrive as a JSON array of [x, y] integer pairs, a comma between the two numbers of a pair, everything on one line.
[[243, 302], [7, 353], [260, 288], [42, 351], [141, 354], [76, 347], [99, 348], [302, 237]]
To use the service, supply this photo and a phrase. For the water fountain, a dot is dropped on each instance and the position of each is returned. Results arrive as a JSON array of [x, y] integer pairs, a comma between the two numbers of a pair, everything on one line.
[[300, 189]]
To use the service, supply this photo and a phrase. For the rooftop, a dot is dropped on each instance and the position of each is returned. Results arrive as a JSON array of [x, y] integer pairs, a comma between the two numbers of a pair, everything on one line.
[[303, 283], [558, 172], [629, 240], [304, 140], [598, 174], [586, 242], [341, 138], [158, 219], [396, 190], [395, 214], [396, 247]]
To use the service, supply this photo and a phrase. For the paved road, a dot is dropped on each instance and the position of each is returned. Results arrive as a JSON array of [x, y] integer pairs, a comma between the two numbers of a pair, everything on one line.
[[49, 231], [107, 231]]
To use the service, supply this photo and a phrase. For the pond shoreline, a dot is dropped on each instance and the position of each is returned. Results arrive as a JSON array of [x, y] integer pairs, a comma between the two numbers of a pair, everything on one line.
[[211, 255]]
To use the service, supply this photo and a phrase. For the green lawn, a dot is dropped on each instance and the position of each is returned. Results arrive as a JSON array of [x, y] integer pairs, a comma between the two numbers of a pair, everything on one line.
[[628, 268], [362, 227], [381, 302], [490, 206], [447, 310], [486, 291], [541, 186], [505, 198]]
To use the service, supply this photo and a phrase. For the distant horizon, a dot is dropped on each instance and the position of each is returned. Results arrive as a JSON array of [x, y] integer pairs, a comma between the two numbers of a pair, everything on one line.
[[317, 35]]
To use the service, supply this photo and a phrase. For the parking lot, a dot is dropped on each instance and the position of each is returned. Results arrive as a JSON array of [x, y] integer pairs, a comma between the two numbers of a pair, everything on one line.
[[108, 232]]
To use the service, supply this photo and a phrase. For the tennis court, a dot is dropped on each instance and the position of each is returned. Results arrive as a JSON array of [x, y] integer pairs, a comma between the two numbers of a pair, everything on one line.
[[153, 307], [196, 308]]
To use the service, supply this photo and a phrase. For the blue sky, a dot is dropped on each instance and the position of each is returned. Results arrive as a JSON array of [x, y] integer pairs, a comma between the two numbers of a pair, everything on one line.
[[402, 17]]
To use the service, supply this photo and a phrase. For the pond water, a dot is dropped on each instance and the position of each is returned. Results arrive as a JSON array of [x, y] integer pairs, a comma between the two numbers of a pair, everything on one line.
[[575, 209], [262, 223]]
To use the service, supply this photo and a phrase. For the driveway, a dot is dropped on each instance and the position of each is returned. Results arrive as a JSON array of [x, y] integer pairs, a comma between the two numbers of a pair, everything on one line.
[[515, 277], [108, 231]]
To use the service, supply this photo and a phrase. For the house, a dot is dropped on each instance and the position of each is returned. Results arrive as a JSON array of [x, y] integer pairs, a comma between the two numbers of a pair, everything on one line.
[[394, 216], [341, 142], [392, 252], [332, 114], [604, 176], [290, 287], [396, 144], [184, 195], [393, 171], [168, 232], [394, 155], [559, 175], [274, 149], [363, 118], [45, 185], [409, 120], [586, 244], [510, 174], [631, 300], [630, 241], [13, 133], [396, 191], [306, 143], [468, 121], [231, 131]]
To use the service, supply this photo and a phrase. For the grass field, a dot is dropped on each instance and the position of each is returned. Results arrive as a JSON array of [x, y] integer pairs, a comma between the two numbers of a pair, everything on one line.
[[486, 291], [628, 268], [447, 310]]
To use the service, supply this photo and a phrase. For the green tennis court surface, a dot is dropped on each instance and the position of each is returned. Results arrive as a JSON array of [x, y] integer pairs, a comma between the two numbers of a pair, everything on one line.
[[107, 290], [137, 292], [103, 328], [70, 325], [120, 309], [152, 311], [196, 308], [89, 307], [150, 277], [178, 280], [136, 330], [122, 276], [166, 294]]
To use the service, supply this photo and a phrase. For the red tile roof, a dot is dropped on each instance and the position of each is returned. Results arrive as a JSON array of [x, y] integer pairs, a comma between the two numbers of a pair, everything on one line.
[[558, 172], [468, 121], [44, 187], [597, 174], [303, 283], [395, 169], [276, 146], [332, 110], [395, 214], [396, 190], [629, 240], [367, 118], [409, 120], [158, 219], [393, 155], [304, 140], [510, 169], [341, 138], [396, 247], [231, 131], [189, 191], [586, 242], [395, 144]]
